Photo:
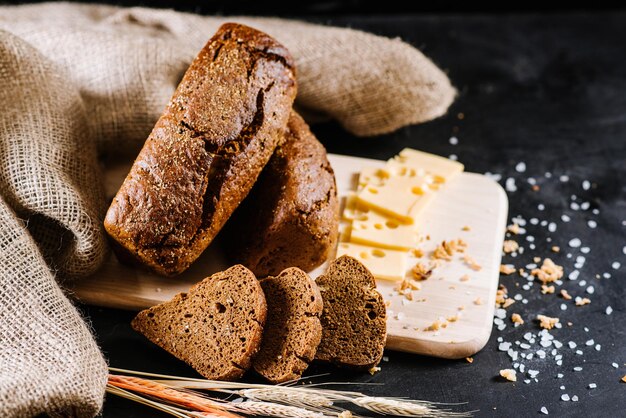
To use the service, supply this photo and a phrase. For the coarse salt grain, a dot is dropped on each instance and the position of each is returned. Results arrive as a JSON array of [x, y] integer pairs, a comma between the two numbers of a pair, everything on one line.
[[565, 397], [578, 369], [453, 140], [574, 398], [586, 185], [509, 185], [608, 310], [544, 410], [616, 265], [564, 178], [565, 218], [592, 386], [453, 157], [574, 243], [591, 223], [520, 167], [615, 365]]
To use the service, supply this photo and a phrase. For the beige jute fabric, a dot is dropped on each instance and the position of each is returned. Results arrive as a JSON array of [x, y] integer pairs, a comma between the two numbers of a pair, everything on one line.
[[76, 79]]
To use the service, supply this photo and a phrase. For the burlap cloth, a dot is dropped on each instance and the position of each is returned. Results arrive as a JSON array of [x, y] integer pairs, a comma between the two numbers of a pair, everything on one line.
[[76, 79]]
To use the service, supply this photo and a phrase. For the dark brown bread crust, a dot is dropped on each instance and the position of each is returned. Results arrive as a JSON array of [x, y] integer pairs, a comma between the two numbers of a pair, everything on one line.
[[291, 216], [216, 327], [293, 329], [354, 320], [206, 151]]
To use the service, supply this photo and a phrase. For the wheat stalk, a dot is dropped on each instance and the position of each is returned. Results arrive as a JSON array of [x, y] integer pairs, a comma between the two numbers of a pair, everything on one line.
[[273, 400]]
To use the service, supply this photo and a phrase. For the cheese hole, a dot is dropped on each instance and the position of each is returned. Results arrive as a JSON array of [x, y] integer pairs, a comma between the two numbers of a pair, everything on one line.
[[392, 224], [372, 190], [378, 253], [363, 226], [364, 255], [378, 226], [362, 218], [417, 191]]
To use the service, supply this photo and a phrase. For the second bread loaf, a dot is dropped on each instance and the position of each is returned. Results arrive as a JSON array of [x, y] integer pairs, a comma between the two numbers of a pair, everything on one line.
[[206, 151]]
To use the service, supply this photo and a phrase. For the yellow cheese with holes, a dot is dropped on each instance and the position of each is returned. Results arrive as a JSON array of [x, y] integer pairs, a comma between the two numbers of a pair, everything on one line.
[[372, 228], [399, 197], [443, 169], [382, 263]]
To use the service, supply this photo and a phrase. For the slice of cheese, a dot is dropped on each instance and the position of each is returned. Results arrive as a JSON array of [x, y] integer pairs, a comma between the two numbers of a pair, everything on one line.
[[372, 228], [397, 197], [382, 263], [443, 169], [372, 176]]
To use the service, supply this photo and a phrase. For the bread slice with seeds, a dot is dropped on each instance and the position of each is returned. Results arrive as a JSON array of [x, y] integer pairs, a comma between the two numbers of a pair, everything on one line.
[[216, 327], [354, 328], [293, 329]]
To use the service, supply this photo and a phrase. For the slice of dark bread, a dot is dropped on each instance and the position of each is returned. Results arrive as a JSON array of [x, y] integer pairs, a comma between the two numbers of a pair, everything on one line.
[[216, 327], [293, 329], [354, 327]]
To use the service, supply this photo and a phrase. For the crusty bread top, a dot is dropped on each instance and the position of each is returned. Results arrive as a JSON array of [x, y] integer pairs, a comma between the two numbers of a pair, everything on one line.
[[293, 330], [216, 327], [354, 316], [206, 151]]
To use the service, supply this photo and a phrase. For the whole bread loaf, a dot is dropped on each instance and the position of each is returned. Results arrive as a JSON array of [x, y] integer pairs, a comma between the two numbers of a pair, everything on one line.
[[354, 319], [292, 330], [206, 151], [216, 327], [291, 216]]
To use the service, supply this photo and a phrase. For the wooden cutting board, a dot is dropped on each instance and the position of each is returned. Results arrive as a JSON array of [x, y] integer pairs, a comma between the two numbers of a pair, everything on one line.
[[471, 200]]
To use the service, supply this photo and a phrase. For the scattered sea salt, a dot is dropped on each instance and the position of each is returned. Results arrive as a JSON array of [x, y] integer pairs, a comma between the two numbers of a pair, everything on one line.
[[592, 386], [454, 141], [585, 205], [571, 344], [541, 206], [563, 307], [504, 346], [509, 185], [590, 342], [598, 347], [559, 376], [608, 310], [565, 218], [574, 398], [591, 223], [565, 397], [615, 365], [606, 275], [564, 178], [544, 410], [590, 290], [575, 243], [616, 265], [552, 227], [520, 167], [573, 275], [586, 185], [578, 369], [453, 157]]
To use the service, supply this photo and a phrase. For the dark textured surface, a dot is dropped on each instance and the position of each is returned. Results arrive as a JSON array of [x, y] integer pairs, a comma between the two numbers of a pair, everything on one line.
[[549, 91]]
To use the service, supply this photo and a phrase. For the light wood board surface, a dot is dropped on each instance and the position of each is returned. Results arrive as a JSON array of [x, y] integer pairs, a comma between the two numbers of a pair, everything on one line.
[[471, 200]]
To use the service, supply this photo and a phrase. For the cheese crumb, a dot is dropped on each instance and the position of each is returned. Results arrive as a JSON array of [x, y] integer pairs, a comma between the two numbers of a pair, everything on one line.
[[466, 228], [555, 249], [446, 249], [509, 374], [510, 246], [565, 295], [472, 263], [507, 269], [547, 322], [422, 271], [478, 301], [548, 272], [417, 252], [624, 379], [471, 360], [464, 278], [517, 319], [435, 326]]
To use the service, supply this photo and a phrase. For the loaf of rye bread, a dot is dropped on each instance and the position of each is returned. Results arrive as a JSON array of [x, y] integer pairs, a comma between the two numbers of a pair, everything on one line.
[[291, 216], [216, 327], [292, 329], [354, 319], [206, 151]]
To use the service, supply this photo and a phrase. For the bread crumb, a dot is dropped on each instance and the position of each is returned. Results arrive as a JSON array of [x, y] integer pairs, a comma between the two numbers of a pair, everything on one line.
[[453, 318], [447, 249], [547, 322], [624, 379], [555, 249], [517, 319], [507, 269], [513, 229], [582, 301], [408, 284], [510, 246], [509, 374], [535, 188], [461, 308], [464, 278], [373, 370], [565, 295], [435, 326], [508, 302], [422, 271], [471, 360], [345, 414], [545, 289], [466, 228], [478, 301], [548, 272], [472, 263]]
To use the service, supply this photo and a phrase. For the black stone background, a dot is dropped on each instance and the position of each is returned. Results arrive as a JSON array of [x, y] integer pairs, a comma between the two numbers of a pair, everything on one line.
[[545, 89]]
